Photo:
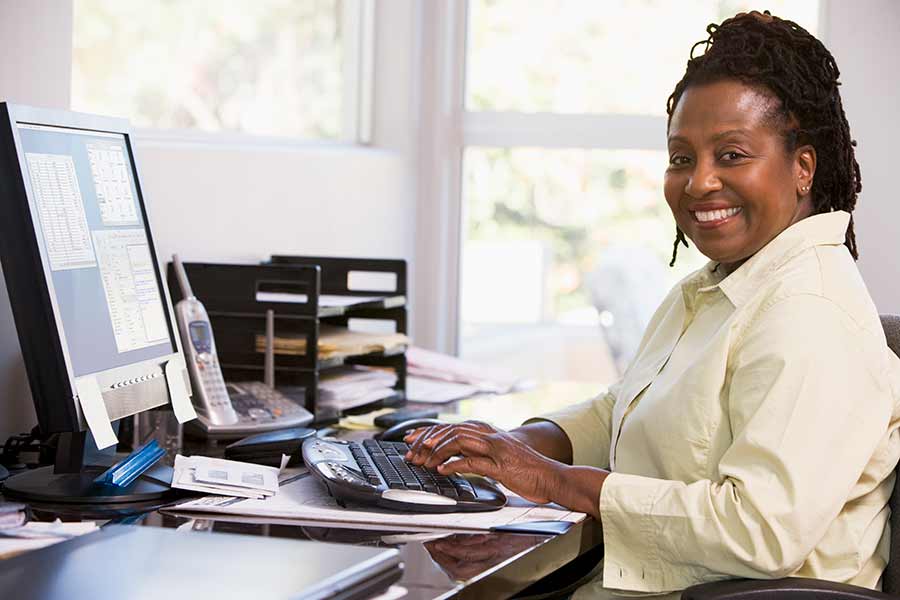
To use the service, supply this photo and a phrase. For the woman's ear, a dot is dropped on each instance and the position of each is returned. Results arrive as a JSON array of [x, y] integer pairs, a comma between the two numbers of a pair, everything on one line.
[[804, 169]]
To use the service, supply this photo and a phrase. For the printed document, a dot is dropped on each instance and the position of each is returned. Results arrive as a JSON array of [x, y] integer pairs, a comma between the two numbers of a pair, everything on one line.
[[226, 477]]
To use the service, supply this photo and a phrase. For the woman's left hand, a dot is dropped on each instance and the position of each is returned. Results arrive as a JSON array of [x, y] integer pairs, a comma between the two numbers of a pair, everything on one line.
[[487, 451]]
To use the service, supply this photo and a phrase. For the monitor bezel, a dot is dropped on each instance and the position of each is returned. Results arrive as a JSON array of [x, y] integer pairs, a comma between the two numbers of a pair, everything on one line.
[[48, 363]]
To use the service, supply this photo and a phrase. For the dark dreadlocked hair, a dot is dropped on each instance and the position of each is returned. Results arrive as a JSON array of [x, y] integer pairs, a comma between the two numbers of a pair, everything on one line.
[[786, 60]]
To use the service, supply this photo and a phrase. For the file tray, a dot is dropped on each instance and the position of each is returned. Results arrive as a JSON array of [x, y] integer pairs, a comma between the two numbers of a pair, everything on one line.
[[355, 276], [237, 296]]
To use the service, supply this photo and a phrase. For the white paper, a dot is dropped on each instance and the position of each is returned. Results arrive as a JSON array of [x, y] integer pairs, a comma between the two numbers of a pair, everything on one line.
[[307, 499], [225, 477], [433, 391], [221, 473], [178, 390], [326, 300], [435, 365], [56, 529], [94, 410], [34, 535]]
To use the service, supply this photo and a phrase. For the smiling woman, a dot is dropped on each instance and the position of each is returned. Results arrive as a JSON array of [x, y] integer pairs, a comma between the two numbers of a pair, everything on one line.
[[732, 183], [756, 431]]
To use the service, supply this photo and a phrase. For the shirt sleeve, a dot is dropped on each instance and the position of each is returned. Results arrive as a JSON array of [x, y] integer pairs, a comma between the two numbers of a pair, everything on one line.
[[588, 425], [801, 440]]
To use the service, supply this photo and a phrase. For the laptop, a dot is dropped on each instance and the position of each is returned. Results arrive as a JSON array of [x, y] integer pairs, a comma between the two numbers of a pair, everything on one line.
[[146, 562]]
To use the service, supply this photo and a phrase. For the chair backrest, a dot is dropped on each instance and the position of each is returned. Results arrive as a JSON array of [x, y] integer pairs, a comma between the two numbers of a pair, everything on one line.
[[891, 579]]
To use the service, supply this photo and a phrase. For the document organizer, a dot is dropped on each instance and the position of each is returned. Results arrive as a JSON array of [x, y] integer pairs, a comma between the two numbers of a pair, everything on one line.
[[237, 297]]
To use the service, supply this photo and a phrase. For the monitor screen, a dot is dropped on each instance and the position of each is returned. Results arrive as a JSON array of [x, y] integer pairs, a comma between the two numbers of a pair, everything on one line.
[[92, 236]]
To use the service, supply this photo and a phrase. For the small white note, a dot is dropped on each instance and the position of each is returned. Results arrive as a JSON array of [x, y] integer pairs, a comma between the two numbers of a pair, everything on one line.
[[178, 392], [94, 411]]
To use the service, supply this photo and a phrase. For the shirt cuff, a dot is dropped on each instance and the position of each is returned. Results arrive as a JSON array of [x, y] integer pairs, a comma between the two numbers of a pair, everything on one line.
[[631, 556]]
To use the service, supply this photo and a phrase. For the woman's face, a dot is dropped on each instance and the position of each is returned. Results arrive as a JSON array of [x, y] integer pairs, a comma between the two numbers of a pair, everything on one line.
[[731, 184]]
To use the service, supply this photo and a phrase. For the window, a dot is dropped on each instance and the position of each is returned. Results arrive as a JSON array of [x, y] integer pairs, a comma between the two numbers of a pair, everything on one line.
[[566, 236], [571, 56], [269, 67]]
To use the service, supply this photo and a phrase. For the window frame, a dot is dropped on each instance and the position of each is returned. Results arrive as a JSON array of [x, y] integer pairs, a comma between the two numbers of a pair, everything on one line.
[[444, 139], [358, 72]]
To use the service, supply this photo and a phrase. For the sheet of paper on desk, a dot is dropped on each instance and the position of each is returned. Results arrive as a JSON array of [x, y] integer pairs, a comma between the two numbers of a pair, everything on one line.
[[434, 391], [34, 535], [306, 499], [434, 365]]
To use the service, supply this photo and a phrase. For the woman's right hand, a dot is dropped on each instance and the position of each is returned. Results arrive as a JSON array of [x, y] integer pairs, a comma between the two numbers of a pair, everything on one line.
[[476, 447], [518, 459]]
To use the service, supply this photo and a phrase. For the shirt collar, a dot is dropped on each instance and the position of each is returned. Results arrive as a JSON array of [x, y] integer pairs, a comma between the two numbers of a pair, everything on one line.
[[823, 229]]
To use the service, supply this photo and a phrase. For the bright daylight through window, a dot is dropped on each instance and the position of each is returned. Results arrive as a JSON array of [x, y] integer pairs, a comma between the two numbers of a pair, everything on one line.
[[267, 67], [566, 249]]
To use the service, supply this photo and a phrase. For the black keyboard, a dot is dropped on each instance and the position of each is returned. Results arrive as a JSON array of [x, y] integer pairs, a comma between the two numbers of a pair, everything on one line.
[[375, 473]]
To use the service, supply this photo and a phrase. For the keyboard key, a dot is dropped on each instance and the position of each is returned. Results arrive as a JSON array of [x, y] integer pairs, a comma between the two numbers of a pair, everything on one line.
[[450, 492]]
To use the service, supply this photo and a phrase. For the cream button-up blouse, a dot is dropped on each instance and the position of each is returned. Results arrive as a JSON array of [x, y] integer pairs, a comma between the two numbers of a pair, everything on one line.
[[755, 434]]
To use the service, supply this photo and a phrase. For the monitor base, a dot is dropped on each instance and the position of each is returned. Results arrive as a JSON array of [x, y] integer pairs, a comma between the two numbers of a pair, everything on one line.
[[42, 485]]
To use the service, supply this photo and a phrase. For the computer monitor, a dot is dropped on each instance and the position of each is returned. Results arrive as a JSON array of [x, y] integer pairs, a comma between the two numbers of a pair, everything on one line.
[[92, 312]]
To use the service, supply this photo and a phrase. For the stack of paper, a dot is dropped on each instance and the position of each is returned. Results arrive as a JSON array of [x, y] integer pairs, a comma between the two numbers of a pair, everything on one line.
[[351, 386], [441, 367], [33, 535], [226, 477], [337, 341], [331, 300], [436, 391]]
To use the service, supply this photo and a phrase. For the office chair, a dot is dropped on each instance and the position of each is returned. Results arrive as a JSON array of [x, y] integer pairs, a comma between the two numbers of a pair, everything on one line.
[[796, 588]]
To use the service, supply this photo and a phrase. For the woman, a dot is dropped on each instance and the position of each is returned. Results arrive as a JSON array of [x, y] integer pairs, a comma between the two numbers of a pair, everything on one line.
[[755, 432]]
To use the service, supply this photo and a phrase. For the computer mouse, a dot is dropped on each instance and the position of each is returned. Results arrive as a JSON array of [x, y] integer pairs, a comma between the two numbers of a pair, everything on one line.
[[396, 433]]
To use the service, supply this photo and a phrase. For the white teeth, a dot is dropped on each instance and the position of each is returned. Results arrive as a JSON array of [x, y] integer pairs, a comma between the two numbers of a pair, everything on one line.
[[716, 215]]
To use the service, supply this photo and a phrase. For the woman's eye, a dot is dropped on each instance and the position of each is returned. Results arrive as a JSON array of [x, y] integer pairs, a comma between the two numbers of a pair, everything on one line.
[[732, 155], [678, 160]]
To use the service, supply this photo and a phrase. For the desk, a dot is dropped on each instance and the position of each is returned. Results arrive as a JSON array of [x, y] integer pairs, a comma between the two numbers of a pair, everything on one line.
[[484, 565]]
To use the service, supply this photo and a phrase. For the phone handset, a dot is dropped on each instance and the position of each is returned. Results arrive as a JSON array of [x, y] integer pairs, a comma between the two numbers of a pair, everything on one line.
[[210, 395]]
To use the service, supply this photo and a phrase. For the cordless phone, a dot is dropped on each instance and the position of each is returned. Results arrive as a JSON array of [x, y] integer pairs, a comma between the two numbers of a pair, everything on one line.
[[228, 409]]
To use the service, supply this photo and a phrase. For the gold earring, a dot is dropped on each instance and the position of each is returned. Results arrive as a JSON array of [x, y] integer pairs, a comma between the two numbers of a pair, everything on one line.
[[804, 189]]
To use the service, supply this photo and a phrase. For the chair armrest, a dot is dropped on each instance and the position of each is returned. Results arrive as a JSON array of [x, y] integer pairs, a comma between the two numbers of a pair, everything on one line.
[[790, 588]]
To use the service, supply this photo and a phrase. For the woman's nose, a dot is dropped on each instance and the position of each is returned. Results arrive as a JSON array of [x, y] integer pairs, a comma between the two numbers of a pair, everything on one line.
[[703, 180]]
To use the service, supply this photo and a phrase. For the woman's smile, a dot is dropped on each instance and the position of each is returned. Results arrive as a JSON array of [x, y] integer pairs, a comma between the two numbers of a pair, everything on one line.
[[712, 219]]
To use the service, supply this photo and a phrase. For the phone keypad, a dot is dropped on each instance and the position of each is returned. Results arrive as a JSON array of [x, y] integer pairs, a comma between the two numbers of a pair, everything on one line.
[[255, 401], [212, 382]]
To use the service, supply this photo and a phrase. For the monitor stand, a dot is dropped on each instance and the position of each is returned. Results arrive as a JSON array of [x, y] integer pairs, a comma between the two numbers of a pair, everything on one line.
[[69, 481]]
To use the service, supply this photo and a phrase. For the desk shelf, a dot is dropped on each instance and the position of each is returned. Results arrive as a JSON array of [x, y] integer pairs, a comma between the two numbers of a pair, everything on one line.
[[237, 297]]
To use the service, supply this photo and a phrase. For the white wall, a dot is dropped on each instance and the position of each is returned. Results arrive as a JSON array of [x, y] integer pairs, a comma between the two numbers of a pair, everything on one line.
[[864, 37], [256, 199], [35, 69], [306, 199]]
